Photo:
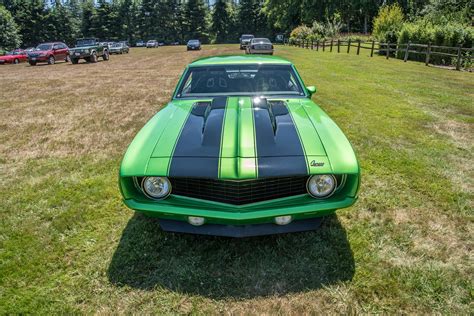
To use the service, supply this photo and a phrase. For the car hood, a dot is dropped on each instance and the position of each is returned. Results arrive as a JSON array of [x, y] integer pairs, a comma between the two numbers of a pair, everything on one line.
[[39, 52], [239, 138], [83, 47]]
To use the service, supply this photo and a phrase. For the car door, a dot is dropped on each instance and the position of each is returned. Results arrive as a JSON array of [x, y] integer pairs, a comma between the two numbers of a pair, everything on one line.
[[58, 55]]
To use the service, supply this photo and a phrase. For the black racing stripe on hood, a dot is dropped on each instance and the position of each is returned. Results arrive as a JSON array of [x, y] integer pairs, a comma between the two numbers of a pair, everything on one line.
[[279, 149], [197, 150]]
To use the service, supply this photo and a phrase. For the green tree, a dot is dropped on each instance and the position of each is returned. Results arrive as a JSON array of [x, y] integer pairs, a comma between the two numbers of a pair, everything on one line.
[[388, 23], [60, 24], [104, 21], [9, 36], [221, 21], [195, 14], [88, 12], [31, 17], [252, 20]]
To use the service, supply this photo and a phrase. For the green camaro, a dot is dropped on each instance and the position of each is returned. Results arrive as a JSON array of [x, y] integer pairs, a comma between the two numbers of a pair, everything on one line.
[[241, 150]]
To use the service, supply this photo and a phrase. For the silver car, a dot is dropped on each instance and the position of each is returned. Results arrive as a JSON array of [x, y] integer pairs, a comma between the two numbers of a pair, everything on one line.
[[152, 44], [260, 46]]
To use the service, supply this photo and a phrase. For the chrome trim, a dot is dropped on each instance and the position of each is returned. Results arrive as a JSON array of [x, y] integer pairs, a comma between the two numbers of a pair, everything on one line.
[[151, 197], [326, 196]]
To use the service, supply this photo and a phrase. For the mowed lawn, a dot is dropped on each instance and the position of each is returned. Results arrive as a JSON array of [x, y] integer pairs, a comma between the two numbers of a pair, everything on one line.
[[68, 244]]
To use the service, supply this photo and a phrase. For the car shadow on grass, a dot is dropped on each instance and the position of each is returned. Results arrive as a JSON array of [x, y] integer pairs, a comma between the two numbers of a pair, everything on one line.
[[217, 267]]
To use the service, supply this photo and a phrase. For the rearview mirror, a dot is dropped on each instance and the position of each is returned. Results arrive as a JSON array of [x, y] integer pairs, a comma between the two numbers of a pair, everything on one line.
[[311, 90]]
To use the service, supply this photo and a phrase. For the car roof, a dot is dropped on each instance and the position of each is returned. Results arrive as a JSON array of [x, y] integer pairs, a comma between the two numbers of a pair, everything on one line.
[[240, 59]]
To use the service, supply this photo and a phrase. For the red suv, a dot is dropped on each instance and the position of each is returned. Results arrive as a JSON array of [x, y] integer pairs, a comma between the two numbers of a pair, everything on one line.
[[49, 53]]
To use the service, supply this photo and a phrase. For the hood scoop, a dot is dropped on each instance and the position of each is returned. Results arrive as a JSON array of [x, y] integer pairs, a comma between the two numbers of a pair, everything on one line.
[[274, 109]]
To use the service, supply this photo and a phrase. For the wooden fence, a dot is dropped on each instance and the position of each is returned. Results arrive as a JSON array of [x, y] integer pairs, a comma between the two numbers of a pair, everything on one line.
[[403, 50]]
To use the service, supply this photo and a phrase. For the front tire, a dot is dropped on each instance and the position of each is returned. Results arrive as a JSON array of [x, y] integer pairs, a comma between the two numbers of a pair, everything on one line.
[[32, 63], [67, 59], [51, 60], [105, 56], [93, 58], [75, 61]]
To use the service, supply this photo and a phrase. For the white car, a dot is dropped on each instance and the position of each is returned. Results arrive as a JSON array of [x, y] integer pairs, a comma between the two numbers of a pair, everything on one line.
[[151, 44], [260, 46]]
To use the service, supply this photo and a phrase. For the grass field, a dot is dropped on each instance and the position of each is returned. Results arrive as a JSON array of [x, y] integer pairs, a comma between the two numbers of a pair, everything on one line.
[[68, 244]]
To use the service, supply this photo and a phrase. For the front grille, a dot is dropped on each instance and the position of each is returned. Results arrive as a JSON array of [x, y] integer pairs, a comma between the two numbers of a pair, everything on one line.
[[239, 192]]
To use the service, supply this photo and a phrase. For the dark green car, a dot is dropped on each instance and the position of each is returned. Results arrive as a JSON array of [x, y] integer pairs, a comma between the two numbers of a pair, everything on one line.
[[89, 49], [241, 150]]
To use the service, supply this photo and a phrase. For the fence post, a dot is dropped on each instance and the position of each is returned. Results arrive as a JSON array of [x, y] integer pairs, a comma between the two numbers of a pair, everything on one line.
[[388, 50], [372, 49], [312, 44], [458, 63], [331, 46], [348, 45], [428, 52], [406, 52], [338, 45], [324, 45], [317, 45], [358, 47]]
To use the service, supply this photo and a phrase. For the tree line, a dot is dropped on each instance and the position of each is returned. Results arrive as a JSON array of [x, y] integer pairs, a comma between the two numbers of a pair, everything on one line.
[[28, 22]]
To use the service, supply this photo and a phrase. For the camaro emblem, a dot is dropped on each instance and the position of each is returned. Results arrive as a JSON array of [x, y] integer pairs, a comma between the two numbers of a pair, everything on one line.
[[316, 164]]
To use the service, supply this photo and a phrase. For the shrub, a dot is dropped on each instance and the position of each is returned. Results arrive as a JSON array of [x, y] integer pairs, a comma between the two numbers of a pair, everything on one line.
[[333, 27], [388, 23], [424, 31], [300, 33]]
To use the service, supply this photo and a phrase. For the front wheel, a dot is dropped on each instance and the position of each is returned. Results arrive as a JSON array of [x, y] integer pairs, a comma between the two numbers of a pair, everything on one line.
[[105, 56], [93, 57], [67, 59], [51, 60], [32, 63], [75, 61]]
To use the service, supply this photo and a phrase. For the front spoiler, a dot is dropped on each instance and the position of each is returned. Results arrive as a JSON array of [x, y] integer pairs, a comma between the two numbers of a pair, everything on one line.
[[175, 208], [239, 231]]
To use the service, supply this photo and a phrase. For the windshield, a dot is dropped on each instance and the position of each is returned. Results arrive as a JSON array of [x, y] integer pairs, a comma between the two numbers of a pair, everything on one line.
[[85, 42], [261, 40], [193, 42], [44, 47], [117, 45], [245, 37], [240, 80], [15, 52]]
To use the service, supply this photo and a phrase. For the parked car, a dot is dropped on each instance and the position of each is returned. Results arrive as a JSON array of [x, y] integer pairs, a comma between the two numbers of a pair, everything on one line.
[[106, 44], [49, 53], [175, 43], [240, 150], [89, 49], [119, 48], [151, 44], [245, 40], [14, 57], [161, 43], [260, 46], [29, 49], [193, 44], [140, 44]]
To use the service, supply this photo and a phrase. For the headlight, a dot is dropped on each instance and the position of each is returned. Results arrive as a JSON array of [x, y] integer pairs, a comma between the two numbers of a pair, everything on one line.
[[156, 187], [321, 185]]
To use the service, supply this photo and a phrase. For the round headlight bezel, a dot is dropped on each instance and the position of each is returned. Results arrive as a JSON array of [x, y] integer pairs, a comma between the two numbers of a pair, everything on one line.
[[325, 196], [151, 196]]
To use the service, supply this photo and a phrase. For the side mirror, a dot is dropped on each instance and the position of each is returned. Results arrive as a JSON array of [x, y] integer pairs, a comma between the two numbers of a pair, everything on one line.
[[311, 90]]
